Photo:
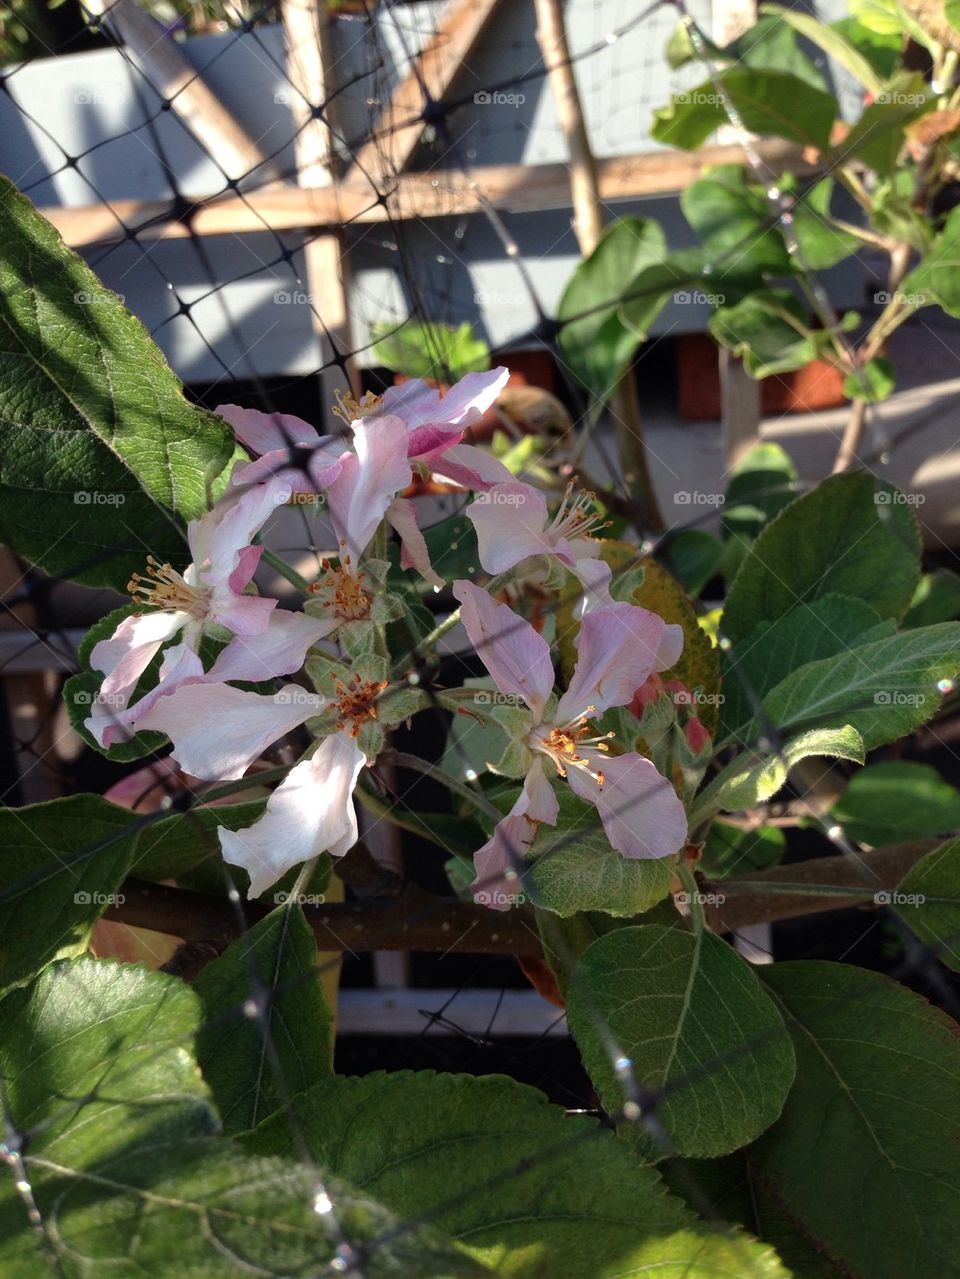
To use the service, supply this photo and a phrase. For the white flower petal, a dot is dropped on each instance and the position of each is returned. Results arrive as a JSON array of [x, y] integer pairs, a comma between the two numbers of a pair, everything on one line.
[[309, 813]]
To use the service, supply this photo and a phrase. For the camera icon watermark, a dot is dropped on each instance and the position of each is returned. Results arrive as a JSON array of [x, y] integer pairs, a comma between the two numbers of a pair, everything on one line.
[[496, 497], [883, 298], [683, 697], [495, 98], [294, 297], [498, 899], [893, 97], [688, 899], [300, 697], [697, 297], [114, 700], [895, 697], [896, 898], [484, 297], [699, 99], [487, 697], [83, 898], [695, 497], [299, 899], [85, 298], [883, 497], [94, 497], [99, 97]]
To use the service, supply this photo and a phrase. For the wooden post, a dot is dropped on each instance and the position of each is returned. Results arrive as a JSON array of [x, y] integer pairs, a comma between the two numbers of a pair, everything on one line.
[[307, 29], [588, 222], [739, 408]]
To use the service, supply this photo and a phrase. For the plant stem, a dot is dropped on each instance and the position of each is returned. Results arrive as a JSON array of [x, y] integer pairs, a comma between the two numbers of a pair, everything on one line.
[[283, 568], [469, 793]]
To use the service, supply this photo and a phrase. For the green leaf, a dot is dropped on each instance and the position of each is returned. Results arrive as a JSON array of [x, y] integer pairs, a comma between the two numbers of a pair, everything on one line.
[[936, 599], [881, 51], [697, 1027], [684, 276], [833, 43], [891, 19], [174, 845], [864, 1157], [897, 800], [525, 1189], [768, 102], [877, 138], [123, 1164], [574, 869], [732, 218], [423, 349], [852, 535], [733, 1192], [928, 900], [773, 650], [770, 331], [255, 1063], [885, 689], [761, 484], [937, 278], [873, 382], [767, 45], [753, 778], [102, 456], [598, 346], [734, 850], [822, 242], [693, 557], [63, 863]]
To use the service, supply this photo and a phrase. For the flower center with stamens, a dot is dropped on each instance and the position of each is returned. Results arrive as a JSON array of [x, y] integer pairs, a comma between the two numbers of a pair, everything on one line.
[[348, 408], [163, 587], [357, 702], [343, 593], [574, 518], [562, 744]]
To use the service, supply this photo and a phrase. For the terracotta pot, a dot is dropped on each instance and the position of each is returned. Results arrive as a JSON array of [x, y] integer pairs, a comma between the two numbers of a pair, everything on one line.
[[817, 386]]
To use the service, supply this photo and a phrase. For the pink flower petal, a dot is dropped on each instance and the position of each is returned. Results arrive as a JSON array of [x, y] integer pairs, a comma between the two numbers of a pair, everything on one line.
[[512, 651], [595, 575], [243, 614], [467, 465], [402, 515], [218, 731], [248, 561], [278, 650], [510, 521], [616, 650], [263, 432], [640, 811], [507, 848], [368, 482], [670, 647], [434, 420], [309, 813], [114, 718], [305, 469]]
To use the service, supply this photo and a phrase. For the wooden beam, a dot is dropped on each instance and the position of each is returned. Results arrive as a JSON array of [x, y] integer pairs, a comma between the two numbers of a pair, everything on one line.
[[168, 72], [398, 130], [511, 187], [306, 26]]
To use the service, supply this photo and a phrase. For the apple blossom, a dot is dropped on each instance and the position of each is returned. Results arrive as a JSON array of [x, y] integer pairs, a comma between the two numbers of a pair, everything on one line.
[[207, 598], [513, 523], [617, 648]]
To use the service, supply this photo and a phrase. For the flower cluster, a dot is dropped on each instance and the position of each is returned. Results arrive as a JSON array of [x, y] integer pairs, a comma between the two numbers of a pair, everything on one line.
[[215, 637]]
